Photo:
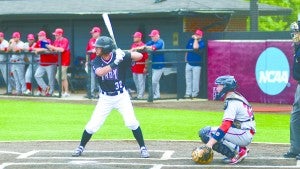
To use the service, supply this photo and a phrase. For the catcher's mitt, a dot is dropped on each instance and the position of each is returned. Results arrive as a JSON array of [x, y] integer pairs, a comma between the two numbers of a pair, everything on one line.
[[203, 155]]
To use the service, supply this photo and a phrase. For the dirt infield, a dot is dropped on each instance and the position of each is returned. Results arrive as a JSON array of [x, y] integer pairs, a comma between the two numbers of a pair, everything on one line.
[[125, 154]]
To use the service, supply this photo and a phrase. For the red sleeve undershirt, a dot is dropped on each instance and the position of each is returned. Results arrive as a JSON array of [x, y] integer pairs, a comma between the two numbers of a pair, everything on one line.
[[226, 124]]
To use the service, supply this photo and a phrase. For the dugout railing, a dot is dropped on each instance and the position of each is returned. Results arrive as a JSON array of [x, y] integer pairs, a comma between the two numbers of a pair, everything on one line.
[[174, 64], [7, 63]]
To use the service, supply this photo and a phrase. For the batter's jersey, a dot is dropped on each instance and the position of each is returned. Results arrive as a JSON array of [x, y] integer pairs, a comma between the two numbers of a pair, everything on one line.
[[115, 79], [237, 109]]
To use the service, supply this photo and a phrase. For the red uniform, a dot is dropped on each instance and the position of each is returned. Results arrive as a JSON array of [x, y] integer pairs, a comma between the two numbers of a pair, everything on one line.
[[90, 46], [46, 59], [66, 55], [139, 66]]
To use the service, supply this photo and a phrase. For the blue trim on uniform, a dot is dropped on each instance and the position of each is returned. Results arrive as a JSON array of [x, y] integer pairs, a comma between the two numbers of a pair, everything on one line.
[[219, 134]]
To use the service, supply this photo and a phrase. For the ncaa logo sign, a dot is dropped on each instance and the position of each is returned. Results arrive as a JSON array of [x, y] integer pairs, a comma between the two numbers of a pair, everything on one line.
[[272, 71]]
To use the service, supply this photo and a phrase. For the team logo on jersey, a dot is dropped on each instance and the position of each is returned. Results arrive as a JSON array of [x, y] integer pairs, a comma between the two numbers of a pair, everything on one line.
[[112, 75], [272, 71]]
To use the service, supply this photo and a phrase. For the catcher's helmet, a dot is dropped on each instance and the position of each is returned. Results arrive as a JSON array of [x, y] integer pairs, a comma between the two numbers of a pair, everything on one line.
[[229, 84], [106, 43]]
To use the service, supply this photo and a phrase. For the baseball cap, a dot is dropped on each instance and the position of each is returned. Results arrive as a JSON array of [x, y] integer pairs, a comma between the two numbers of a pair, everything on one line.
[[58, 31], [198, 32], [154, 32], [16, 35], [30, 37], [42, 33], [1, 34], [95, 29], [137, 35]]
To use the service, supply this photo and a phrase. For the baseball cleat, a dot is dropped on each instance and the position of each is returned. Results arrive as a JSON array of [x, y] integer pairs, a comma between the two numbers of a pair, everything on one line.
[[78, 151], [144, 152], [238, 158]]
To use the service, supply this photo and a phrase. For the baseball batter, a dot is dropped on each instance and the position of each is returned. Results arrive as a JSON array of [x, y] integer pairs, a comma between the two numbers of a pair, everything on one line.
[[238, 125], [110, 66]]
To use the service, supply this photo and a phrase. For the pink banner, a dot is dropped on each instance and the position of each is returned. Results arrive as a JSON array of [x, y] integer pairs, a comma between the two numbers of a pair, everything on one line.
[[262, 68]]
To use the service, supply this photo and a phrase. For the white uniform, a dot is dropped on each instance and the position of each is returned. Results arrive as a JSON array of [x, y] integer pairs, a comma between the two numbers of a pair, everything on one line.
[[113, 95]]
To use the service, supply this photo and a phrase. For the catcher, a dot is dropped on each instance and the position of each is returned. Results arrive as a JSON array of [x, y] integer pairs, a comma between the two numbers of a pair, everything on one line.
[[237, 128]]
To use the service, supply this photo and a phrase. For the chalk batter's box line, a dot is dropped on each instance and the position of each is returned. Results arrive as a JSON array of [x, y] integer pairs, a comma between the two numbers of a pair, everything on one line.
[[166, 155]]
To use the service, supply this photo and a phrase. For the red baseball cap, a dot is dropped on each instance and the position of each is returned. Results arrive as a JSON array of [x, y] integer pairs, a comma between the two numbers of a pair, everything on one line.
[[16, 35], [2, 34], [42, 33], [154, 32], [198, 32], [95, 29], [137, 35], [58, 31], [30, 37]]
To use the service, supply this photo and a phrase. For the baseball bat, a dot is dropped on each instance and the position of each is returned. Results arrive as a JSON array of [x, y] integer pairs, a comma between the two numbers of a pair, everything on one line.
[[109, 27]]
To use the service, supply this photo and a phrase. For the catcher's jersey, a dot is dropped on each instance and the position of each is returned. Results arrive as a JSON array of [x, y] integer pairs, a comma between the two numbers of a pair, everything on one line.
[[237, 109], [115, 79]]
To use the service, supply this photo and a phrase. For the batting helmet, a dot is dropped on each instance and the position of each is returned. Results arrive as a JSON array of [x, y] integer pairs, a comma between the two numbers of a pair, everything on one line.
[[229, 84], [106, 43]]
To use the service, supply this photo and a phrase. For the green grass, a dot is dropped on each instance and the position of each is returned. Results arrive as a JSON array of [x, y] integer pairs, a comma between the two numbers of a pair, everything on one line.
[[28, 120]]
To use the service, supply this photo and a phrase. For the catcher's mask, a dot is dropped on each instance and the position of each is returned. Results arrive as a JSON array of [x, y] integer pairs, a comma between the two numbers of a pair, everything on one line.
[[106, 43], [229, 84]]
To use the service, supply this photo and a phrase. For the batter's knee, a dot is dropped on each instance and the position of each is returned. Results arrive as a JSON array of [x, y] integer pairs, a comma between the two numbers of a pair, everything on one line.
[[204, 134], [133, 127], [90, 131]]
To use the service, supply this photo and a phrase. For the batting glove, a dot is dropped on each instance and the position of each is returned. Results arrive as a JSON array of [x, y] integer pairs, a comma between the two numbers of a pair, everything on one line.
[[119, 56]]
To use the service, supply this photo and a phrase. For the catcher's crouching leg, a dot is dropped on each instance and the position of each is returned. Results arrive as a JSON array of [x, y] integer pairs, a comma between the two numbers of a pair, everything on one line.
[[219, 147]]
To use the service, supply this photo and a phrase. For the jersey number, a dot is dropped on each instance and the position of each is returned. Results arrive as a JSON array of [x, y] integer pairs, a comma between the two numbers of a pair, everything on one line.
[[118, 85]]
